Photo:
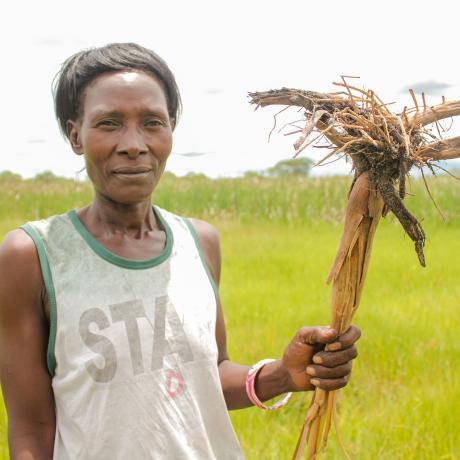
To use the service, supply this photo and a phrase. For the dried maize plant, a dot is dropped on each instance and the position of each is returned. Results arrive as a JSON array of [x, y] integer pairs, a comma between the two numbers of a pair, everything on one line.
[[383, 147]]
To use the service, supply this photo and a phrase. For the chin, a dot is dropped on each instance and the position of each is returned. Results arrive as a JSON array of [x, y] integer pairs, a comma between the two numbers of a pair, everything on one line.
[[131, 195]]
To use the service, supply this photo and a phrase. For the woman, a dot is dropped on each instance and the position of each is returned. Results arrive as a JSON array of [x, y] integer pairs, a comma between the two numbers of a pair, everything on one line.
[[112, 336]]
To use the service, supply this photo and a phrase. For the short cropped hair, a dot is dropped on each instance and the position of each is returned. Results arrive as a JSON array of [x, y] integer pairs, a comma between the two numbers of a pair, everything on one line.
[[81, 68]]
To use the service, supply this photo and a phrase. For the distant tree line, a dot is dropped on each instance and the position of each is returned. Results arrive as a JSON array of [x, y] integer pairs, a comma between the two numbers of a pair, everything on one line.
[[295, 166], [299, 167], [45, 176], [291, 167]]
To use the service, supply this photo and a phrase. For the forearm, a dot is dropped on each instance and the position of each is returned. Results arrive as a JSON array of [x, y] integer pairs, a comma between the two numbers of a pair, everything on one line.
[[272, 380], [33, 444]]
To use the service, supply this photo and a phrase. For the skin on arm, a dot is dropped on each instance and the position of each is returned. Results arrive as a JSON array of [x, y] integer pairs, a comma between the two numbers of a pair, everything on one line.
[[304, 365], [24, 328]]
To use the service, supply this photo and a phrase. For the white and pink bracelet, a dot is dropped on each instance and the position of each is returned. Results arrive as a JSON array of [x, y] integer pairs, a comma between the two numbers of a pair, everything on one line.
[[250, 390]]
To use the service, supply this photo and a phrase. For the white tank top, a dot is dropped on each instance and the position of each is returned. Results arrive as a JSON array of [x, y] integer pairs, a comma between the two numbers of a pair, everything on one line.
[[132, 349]]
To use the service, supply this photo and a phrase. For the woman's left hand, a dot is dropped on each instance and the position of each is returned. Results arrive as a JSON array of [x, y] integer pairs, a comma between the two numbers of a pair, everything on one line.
[[309, 365]]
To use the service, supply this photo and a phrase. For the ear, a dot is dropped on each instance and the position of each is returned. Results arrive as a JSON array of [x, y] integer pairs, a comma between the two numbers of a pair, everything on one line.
[[73, 133]]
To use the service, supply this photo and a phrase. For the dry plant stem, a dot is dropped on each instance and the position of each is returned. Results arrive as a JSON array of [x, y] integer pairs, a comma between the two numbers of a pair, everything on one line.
[[435, 113], [383, 147], [407, 220], [442, 150], [305, 99], [347, 275]]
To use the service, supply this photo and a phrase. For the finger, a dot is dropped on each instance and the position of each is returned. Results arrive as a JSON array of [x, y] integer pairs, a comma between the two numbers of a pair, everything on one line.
[[346, 340], [330, 384], [323, 372], [317, 335], [335, 358]]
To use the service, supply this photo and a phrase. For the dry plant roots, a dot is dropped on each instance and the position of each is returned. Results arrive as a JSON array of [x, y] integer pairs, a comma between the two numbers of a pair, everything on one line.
[[386, 145], [383, 147]]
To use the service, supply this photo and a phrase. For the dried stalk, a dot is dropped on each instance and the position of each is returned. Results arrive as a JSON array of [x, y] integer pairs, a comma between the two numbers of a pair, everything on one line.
[[383, 147], [434, 114], [441, 150], [347, 274]]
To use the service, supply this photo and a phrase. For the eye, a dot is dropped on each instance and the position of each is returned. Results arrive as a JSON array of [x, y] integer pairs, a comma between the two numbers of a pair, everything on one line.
[[107, 123], [153, 123]]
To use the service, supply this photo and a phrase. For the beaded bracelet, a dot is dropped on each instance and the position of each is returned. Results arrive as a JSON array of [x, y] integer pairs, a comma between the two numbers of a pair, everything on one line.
[[250, 380]]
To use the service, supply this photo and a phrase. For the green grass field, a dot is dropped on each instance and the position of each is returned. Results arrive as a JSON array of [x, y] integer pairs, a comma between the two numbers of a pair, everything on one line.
[[278, 239]]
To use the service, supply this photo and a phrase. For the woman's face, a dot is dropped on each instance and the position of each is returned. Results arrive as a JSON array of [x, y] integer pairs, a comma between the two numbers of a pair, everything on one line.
[[125, 133]]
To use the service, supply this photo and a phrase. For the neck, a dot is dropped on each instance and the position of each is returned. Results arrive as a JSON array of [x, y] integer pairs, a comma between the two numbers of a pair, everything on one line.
[[106, 215]]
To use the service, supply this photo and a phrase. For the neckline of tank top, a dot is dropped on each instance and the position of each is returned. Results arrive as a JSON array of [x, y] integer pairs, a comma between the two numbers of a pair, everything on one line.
[[123, 262]]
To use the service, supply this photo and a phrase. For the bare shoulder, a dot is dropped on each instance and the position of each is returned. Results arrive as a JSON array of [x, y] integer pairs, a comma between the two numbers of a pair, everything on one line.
[[209, 241], [206, 232], [18, 251], [20, 273]]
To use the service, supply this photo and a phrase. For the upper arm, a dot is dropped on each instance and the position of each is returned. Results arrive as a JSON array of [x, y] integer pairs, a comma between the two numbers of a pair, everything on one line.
[[26, 383], [209, 240]]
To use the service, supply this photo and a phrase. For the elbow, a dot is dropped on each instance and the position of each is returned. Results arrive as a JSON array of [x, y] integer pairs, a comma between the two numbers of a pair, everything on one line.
[[32, 442]]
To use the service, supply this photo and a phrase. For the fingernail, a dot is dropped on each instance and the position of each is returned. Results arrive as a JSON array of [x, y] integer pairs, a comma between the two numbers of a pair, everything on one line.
[[311, 370], [334, 346], [317, 359], [314, 382]]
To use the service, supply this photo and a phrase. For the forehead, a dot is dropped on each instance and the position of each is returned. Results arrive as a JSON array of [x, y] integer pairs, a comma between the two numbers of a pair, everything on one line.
[[125, 89]]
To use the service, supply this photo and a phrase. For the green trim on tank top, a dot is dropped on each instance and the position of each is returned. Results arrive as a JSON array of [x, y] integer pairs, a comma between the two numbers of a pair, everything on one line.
[[202, 257], [122, 261], [49, 286]]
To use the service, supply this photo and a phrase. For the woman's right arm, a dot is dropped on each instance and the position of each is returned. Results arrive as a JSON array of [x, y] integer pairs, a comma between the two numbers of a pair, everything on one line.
[[24, 328]]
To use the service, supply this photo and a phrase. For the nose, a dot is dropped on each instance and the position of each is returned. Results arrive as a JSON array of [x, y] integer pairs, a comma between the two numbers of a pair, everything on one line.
[[132, 143]]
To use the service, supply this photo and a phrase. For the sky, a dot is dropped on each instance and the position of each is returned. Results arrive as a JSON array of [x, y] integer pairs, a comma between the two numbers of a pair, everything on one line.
[[218, 52]]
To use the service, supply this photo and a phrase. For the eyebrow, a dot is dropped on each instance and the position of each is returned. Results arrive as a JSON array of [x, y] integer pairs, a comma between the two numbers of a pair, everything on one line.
[[117, 113]]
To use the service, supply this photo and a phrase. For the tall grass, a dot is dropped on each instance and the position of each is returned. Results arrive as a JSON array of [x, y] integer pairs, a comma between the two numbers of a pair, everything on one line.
[[278, 239], [403, 401], [255, 199]]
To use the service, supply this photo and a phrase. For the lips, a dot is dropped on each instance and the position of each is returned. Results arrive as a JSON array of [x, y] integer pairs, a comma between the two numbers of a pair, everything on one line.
[[132, 170]]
